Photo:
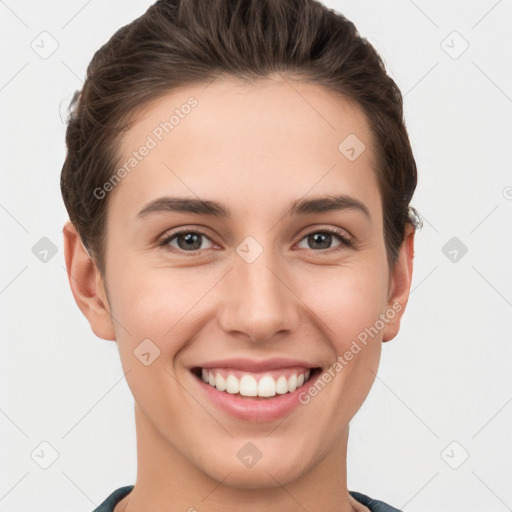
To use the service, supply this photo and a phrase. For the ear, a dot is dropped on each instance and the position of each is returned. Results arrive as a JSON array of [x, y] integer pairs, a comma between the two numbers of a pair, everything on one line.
[[87, 284], [400, 284]]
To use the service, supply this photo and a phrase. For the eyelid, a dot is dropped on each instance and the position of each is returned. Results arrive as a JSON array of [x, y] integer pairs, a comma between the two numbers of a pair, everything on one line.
[[346, 239], [319, 228], [163, 241]]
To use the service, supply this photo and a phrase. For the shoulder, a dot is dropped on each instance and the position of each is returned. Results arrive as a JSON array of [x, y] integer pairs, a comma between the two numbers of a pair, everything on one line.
[[113, 499], [373, 505]]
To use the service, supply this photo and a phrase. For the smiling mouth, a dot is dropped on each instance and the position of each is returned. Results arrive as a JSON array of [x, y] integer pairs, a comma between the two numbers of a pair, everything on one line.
[[261, 385]]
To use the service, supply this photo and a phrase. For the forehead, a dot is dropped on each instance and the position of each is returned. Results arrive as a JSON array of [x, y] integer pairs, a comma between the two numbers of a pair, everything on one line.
[[240, 140]]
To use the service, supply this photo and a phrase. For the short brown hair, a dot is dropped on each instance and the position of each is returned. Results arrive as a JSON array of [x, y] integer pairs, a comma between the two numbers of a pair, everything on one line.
[[180, 42]]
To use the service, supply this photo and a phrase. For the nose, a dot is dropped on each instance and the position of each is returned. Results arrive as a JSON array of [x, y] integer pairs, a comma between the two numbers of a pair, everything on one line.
[[260, 302]]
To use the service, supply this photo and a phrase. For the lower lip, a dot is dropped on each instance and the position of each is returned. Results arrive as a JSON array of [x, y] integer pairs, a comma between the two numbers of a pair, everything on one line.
[[255, 409]]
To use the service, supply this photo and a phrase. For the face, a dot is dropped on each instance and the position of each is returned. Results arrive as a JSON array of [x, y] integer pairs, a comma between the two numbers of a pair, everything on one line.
[[285, 275]]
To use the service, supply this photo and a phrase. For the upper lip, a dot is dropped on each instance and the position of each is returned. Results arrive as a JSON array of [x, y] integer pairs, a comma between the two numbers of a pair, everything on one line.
[[252, 365]]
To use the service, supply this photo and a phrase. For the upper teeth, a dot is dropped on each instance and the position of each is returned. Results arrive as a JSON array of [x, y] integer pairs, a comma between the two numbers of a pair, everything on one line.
[[247, 385]]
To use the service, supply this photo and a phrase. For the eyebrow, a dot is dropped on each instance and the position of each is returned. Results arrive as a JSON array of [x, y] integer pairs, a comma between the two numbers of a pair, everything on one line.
[[218, 210]]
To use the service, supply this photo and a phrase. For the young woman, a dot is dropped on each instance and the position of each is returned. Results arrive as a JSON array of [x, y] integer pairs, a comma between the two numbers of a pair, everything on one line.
[[238, 180]]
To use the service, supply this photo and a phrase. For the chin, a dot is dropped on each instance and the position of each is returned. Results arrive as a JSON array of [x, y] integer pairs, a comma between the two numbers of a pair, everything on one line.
[[277, 470], [261, 478]]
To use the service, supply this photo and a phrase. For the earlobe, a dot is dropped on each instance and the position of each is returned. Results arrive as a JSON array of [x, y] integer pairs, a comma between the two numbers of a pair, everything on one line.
[[400, 285], [87, 284]]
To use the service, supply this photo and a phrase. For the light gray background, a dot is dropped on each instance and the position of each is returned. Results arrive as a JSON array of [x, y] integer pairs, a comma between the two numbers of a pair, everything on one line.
[[443, 387]]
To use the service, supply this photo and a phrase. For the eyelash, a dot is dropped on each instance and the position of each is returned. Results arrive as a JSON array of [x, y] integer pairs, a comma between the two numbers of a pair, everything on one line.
[[345, 242]]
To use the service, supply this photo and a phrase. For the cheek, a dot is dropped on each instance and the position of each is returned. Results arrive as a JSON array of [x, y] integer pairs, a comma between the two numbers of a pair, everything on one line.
[[347, 299], [159, 302], [153, 310], [155, 303]]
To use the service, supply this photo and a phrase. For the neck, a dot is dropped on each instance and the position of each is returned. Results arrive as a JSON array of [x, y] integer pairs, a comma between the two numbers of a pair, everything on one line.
[[169, 482]]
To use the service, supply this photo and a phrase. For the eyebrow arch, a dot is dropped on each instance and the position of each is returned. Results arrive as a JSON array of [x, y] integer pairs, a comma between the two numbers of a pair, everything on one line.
[[214, 209]]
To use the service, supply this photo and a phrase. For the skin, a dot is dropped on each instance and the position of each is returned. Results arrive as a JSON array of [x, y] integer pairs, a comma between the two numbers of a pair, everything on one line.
[[254, 147]]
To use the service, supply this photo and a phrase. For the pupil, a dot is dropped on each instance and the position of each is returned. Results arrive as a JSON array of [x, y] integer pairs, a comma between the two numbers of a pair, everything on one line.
[[317, 238], [323, 239], [190, 239]]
